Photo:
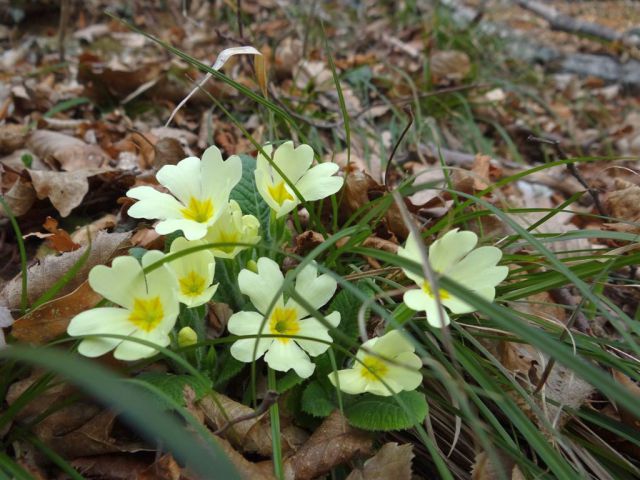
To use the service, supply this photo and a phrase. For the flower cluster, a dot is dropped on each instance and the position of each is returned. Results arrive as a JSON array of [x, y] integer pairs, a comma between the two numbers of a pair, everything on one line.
[[281, 322]]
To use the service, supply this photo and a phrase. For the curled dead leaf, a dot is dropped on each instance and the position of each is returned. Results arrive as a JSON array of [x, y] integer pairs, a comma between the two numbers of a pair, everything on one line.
[[333, 443], [43, 275], [20, 197], [391, 461], [50, 320], [252, 435], [65, 151], [65, 190], [12, 137]]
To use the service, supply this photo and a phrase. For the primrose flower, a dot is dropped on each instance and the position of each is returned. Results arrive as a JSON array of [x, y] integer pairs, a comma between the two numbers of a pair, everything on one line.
[[194, 273], [233, 227], [149, 308], [312, 183], [285, 318], [383, 360], [200, 191], [454, 257]]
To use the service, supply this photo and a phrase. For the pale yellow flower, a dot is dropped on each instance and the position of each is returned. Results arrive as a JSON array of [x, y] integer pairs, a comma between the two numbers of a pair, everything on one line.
[[200, 191], [233, 227], [389, 360], [313, 183], [286, 318], [454, 257], [148, 309], [194, 272]]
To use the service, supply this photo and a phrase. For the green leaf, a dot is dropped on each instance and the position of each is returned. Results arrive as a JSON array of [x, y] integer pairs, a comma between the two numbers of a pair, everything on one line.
[[372, 412], [227, 368], [173, 385], [348, 305], [288, 381], [316, 400], [247, 196]]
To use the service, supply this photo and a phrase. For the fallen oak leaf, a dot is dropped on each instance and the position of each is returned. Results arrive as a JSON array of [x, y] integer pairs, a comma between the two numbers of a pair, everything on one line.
[[333, 443], [391, 461], [50, 320]]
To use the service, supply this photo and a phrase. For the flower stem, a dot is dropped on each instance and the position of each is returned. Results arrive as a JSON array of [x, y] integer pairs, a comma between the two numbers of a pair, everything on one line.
[[274, 415]]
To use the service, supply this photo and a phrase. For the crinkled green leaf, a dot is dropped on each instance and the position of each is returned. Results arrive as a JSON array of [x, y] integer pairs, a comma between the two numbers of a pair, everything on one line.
[[373, 412], [247, 196], [173, 385], [316, 400]]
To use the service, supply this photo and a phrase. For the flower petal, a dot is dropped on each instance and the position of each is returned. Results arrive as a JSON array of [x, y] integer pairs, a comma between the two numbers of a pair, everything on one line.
[[479, 268], [283, 357], [407, 377], [350, 381], [420, 301], [242, 350], [379, 388], [105, 320], [316, 290], [219, 177], [183, 179], [246, 323], [392, 344], [293, 162], [131, 350], [448, 250], [261, 287], [119, 283], [153, 204], [96, 347], [312, 328], [319, 182], [411, 251], [192, 230]]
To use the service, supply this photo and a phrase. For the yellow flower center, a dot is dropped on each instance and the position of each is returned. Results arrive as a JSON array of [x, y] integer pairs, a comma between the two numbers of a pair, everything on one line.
[[284, 321], [228, 237], [198, 210], [192, 284], [426, 288], [373, 368], [279, 192], [146, 313]]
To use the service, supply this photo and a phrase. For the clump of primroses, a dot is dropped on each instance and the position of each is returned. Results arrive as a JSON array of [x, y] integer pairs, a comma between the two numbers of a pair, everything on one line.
[[143, 297]]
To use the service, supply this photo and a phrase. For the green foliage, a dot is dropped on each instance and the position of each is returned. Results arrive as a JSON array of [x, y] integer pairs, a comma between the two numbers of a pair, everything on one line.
[[173, 385], [247, 196], [316, 400], [398, 412]]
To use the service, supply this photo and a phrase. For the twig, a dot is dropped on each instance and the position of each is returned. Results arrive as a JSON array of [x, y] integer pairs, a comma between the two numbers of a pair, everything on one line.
[[269, 399], [564, 23], [395, 147], [65, 11], [571, 168], [577, 318], [239, 18]]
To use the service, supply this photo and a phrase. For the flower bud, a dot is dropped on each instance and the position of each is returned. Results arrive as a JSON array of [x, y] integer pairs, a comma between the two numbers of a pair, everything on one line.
[[187, 336]]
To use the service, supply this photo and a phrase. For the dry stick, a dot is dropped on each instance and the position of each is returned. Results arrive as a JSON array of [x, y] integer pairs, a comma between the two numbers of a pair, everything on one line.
[[239, 18], [65, 11], [576, 316], [571, 167], [395, 147], [269, 399]]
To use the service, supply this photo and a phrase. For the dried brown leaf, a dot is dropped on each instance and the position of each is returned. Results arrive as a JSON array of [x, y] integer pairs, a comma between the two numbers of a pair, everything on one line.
[[43, 275], [391, 461], [252, 435], [333, 443], [113, 467], [12, 137], [449, 66], [65, 190], [68, 152], [20, 197], [97, 436], [629, 418], [51, 319]]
